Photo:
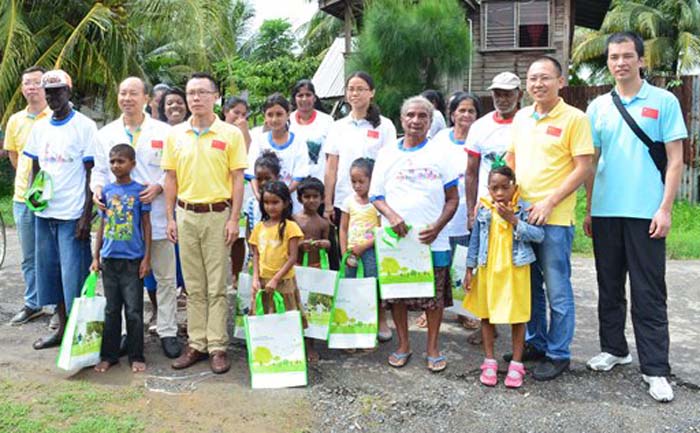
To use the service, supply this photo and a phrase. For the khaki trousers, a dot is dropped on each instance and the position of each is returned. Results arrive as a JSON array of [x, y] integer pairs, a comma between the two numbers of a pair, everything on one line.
[[163, 265], [204, 257]]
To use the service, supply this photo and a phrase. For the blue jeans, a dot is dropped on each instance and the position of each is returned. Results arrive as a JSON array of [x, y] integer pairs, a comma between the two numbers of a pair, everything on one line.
[[369, 262], [62, 261], [553, 268], [24, 219]]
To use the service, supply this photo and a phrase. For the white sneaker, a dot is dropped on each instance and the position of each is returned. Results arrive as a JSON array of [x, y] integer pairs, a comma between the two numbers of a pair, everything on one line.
[[604, 361], [659, 388]]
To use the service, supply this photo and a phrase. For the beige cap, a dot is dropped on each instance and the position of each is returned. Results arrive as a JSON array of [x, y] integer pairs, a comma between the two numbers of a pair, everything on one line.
[[56, 78], [505, 81]]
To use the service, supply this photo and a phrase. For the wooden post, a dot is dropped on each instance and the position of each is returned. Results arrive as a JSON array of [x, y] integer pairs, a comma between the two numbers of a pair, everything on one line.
[[348, 27]]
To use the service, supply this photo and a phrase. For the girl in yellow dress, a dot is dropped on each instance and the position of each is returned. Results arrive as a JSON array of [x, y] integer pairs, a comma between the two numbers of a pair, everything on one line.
[[499, 248]]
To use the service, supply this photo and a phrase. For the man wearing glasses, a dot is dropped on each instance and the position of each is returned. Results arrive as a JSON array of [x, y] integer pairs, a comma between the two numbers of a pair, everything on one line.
[[204, 159], [551, 153]]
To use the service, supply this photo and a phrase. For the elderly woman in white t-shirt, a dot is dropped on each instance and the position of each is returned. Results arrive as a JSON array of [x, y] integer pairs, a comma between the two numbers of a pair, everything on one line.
[[413, 184]]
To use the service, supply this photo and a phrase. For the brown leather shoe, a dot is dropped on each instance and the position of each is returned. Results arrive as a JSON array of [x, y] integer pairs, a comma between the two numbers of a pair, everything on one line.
[[188, 358], [219, 362]]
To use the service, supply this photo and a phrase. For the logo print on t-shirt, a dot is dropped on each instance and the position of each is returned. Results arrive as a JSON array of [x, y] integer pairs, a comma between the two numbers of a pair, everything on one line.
[[314, 148], [120, 218]]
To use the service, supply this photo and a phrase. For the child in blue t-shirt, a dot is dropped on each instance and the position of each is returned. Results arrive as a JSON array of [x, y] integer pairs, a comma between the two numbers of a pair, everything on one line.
[[123, 253]]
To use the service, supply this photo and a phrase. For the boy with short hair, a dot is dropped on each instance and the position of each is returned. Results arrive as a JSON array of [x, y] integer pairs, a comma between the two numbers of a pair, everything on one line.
[[316, 228], [124, 247]]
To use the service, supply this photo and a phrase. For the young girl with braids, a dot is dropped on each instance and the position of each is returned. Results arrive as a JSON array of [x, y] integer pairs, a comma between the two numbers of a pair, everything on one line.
[[500, 249]]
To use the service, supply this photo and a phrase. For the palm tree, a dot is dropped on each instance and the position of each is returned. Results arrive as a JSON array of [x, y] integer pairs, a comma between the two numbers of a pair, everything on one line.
[[100, 42], [317, 35], [670, 28]]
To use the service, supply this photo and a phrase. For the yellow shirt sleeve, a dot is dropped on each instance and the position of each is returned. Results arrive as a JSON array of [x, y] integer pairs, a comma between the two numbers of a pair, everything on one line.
[[237, 157], [581, 141], [292, 230], [168, 160], [253, 240], [11, 143]]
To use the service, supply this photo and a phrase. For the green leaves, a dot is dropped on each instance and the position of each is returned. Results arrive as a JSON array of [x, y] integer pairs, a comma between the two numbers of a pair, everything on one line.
[[409, 46]]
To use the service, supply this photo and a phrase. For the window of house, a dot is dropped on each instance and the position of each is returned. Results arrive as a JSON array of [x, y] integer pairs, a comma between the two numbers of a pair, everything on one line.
[[515, 24]]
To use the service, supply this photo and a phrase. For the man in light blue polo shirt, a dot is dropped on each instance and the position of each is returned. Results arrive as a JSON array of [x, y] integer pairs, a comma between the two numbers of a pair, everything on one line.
[[629, 213]]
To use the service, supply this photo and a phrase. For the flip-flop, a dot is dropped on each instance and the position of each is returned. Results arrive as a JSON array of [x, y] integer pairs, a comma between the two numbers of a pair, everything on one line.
[[402, 359], [435, 360], [384, 337], [52, 340]]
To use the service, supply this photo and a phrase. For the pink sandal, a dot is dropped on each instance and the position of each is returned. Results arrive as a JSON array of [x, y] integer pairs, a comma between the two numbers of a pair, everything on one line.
[[515, 376], [489, 371]]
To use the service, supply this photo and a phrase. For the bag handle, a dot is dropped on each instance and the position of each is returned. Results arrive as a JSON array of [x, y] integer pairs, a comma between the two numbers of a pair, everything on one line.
[[324, 259], [650, 144], [360, 266], [89, 285], [277, 299], [390, 237]]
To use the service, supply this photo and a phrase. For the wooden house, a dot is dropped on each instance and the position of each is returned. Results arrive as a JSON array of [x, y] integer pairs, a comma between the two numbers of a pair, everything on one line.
[[506, 34]]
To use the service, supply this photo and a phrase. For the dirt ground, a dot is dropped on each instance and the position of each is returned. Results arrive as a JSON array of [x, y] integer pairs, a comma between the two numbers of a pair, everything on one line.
[[362, 393]]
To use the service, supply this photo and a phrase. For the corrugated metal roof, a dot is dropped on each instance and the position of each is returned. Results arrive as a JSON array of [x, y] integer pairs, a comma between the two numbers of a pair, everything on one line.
[[329, 78], [591, 13]]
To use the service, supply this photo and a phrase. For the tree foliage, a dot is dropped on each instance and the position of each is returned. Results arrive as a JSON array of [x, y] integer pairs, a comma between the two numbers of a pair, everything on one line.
[[670, 28], [260, 74], [100, 42], [409, 46]]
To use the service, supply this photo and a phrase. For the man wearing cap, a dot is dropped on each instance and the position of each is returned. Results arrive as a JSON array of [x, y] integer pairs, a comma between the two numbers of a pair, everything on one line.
[[204, 159], [490, 136], [147, 136], [63, 147], [18, 128], [551, 152]]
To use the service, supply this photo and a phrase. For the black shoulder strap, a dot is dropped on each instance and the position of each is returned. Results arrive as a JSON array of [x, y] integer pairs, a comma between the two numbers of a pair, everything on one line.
[[630, 121]]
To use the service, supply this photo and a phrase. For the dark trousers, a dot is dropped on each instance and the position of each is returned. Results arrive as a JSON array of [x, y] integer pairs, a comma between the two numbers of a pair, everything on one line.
[[123, 288], [622, 246]]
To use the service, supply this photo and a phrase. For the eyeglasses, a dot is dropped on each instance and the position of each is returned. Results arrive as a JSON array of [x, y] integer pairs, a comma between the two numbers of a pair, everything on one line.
[[540, 78], [357, 89], [200, 93]]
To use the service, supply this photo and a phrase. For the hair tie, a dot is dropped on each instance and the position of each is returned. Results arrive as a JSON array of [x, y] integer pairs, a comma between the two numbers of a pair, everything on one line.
[[498, 162]]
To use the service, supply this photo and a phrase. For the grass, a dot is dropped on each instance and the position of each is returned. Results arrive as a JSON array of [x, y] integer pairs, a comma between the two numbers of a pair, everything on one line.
[[6, 210], [682, 243], [66, 407]]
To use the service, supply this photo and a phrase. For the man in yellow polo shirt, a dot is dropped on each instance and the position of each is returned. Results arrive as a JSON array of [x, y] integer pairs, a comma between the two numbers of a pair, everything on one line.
[[204, 159], [18, 127], [552, 153]]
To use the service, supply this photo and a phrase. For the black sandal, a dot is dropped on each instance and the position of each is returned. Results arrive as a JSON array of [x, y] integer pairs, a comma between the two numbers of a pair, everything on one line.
[[49, 341]]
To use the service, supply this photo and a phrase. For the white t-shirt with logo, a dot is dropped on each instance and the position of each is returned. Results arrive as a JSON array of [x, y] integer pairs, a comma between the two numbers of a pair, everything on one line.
[[455, 152], [293, 159], [314, 135], [62, 147], [413, 183], [488, 137], [350, 139], [149, 150]]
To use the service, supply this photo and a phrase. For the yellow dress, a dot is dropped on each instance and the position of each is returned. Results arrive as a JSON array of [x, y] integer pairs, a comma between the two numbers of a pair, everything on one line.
[[500, 291]]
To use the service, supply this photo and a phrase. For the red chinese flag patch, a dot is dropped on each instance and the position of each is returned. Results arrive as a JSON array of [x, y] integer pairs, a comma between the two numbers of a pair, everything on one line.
[[650, 113], [373, 133], [218, 144], [157, 144], [553, 130]]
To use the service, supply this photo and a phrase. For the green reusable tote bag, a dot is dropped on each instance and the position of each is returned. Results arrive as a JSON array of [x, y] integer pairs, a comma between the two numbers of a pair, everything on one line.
[[243, 296], [82, 339], [404, 265], [317, 290], [275, 342], [355, 315]]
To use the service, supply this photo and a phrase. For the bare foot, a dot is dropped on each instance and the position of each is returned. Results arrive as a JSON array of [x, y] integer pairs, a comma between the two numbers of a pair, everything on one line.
[[138, 367], [422, 321], [468, 322], [103, 366]]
